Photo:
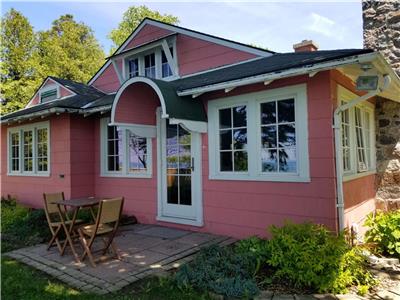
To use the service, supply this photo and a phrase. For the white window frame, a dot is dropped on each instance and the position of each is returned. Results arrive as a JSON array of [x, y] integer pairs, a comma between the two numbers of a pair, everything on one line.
[[104, 172], [20, 129], [344, 95], [49, 88], [157, 50], [253, 102]]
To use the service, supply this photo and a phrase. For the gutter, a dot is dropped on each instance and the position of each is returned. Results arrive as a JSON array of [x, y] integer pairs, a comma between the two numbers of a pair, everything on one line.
[[362, 58], [337, 124], [41, 113]]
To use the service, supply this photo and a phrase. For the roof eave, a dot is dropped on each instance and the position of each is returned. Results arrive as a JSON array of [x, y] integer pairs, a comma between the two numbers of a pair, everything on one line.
[[267, 77]]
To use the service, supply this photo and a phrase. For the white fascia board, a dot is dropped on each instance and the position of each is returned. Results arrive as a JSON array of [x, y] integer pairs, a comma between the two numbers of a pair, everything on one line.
[[38, 114], [278, 75]]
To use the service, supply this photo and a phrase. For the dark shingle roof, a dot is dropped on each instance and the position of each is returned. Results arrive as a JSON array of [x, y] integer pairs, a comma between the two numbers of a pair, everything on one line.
[[89, 97], [274, 63], [78, 87]]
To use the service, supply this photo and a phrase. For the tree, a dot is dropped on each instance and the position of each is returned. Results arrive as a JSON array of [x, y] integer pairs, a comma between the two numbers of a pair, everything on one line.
[[18, 61], [132, 18], [69, 50]]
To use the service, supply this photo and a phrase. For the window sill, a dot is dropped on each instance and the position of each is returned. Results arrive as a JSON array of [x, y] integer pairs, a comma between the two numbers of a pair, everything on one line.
[[241, 177], [29, 174], [351, 177], [114, 175], [180, 221]]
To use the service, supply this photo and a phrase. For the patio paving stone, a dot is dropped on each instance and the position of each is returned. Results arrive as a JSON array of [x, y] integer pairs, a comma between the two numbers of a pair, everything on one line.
[[145, 250]]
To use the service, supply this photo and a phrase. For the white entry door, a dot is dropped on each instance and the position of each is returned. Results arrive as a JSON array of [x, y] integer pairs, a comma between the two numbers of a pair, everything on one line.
[[180, 174]]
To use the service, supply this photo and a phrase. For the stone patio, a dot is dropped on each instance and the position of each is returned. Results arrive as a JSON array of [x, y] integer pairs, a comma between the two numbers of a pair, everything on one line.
[[145, 250]]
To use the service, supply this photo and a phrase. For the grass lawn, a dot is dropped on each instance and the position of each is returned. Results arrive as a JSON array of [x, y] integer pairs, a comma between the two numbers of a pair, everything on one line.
[[19, 281]]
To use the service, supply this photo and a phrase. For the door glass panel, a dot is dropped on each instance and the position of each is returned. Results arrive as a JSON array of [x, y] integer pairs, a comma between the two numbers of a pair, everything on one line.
[[179, 161]]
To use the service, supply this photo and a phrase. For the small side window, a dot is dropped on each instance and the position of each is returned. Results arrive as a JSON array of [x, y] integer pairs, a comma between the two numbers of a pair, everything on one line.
[[48, 95]]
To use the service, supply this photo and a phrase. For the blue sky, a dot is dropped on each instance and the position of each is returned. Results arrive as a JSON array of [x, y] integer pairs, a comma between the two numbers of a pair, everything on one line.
[[276, 25]]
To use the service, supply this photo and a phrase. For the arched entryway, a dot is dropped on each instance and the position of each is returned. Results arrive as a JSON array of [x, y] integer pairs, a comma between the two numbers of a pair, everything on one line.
[[151, 108]]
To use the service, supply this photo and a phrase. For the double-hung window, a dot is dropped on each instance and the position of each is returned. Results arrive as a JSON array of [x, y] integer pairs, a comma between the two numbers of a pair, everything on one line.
[[357, 134], [48, 95], [123, 153], [28, 149], [150, 65], [165, 67], [133, 65], [260, 136]]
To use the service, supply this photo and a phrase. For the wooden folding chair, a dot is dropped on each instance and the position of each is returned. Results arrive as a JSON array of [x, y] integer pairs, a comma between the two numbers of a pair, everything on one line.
[[107, 221], [54, 219]]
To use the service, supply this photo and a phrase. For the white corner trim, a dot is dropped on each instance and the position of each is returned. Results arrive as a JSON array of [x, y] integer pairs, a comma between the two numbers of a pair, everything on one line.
[[128, 83]]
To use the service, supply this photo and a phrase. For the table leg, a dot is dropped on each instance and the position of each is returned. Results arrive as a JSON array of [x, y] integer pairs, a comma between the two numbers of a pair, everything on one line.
[[68, 231]]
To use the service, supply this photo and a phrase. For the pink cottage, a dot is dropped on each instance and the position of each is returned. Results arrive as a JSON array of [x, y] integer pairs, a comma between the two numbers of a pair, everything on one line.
[[207, 134]]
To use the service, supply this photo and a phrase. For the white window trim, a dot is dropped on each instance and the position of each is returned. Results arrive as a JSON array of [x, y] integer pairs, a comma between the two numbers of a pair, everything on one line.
[[30, 127], [156, 49], [253, 101], [345, 95], [124, 173], [49, 88]]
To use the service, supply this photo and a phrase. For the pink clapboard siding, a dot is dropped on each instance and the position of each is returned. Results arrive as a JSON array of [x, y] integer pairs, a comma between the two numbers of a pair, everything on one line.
[[137, 105], [195, 55], [108, 81], [147, 34], [30, 189]]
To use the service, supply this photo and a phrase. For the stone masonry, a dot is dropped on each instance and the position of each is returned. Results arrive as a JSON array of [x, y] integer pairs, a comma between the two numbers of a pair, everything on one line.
[[382, 33]]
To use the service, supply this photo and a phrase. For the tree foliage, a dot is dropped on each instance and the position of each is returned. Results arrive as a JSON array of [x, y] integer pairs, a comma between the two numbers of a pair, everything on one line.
[[67, 50], [132, 18], [18, 62]]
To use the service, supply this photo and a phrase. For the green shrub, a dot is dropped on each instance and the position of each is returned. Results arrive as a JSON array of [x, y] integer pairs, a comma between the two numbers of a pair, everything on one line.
[[254, 247], [221, 270], [21, 227], [353, 272], [384, 231], [309, 256]]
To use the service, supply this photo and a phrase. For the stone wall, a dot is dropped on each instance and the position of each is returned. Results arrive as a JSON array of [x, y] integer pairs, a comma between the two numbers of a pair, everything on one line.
[[382, 33]]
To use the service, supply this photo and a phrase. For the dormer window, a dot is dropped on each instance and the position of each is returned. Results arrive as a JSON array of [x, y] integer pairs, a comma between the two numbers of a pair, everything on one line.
[[48, 95], [133, 67], [150, 65], [165, 68], [152, 62]]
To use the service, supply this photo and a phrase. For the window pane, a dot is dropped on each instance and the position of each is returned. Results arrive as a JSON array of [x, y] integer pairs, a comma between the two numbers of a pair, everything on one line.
[[225, 139], [165, 68], [226, 161], [240, 161], [48, 95], [114, 149], [225, 120], [172, 189], [28, 150], [269, 160], [286, 111], [239, 116], [41, 146], [137, 153], [268, 136], [150, 65], [287, 160], [133, 67], [268, 113], [15, 151], [185, 188], [240, 138], [287, 135]]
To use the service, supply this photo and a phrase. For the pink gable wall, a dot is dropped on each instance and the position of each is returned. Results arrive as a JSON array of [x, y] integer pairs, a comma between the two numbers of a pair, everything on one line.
[[108, 81], [63, 93], [147, 34], [195, 55]]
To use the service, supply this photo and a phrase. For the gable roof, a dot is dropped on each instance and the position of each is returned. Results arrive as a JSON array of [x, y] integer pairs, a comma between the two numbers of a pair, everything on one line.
[[178, 29], [274, 63], [78, 87]]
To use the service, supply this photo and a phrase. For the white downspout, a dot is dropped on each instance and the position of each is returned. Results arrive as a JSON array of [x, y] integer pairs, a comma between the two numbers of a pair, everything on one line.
[[338, 144]]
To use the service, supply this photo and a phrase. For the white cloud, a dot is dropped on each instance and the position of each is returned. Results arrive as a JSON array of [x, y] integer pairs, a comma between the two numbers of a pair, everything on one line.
[[325, 26]]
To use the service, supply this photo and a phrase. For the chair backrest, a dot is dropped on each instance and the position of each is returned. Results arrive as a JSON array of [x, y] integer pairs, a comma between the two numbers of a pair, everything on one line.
[[51, 208], [110, 210]]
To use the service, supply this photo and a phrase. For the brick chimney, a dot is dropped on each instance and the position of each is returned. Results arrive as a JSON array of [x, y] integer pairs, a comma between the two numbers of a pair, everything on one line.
[[305, 45]]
